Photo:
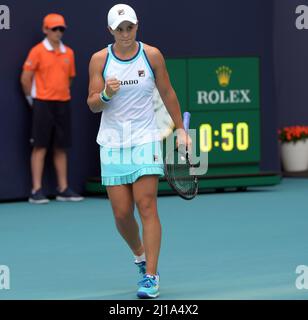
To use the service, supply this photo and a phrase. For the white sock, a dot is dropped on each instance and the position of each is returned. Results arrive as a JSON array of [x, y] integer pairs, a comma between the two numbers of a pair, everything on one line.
[[156, 276], [139, 258]]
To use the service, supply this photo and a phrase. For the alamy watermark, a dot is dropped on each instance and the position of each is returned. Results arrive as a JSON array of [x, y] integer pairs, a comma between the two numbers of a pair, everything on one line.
[[302, 280], [145, 153], [4, 277], [4, 17], [301, 21]]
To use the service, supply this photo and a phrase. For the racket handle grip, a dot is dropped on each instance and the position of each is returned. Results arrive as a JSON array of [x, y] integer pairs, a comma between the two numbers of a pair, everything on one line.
[[186, 120]]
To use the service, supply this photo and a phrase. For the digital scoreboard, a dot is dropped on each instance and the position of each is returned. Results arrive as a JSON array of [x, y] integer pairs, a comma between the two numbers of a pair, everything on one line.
[[223, 97]]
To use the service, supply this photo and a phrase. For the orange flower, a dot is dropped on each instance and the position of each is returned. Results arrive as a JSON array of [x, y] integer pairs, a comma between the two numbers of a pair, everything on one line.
[[293, 133]]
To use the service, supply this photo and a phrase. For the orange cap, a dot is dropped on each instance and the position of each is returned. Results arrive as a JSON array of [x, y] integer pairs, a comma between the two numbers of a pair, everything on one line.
[[54, 20]]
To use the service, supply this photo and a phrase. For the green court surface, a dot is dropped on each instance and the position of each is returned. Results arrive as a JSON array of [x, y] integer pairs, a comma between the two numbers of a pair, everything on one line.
[[233, 245]]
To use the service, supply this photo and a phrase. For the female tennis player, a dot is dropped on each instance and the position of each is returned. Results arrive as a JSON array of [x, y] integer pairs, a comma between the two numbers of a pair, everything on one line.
[[122, 79]]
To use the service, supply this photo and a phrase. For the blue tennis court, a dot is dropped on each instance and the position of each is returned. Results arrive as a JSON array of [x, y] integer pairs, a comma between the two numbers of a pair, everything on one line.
[[233, 245]]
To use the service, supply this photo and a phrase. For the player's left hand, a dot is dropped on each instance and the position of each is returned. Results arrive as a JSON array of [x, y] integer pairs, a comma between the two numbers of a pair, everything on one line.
[[183, 139]]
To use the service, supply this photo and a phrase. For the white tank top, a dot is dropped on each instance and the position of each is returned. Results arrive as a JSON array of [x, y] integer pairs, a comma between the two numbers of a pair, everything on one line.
[[129, 119]]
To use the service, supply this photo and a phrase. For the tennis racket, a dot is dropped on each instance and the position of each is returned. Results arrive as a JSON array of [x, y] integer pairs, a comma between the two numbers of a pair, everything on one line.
[[179, 170]]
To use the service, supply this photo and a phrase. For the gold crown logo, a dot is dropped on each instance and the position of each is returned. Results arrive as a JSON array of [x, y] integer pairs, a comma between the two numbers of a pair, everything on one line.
[[223, 75]]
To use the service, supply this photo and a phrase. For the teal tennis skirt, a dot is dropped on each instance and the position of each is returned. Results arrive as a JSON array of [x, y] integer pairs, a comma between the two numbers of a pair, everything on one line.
[[125, 165]]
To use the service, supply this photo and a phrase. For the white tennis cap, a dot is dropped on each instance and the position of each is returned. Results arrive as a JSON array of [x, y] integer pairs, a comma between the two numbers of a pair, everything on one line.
[[119, 13]]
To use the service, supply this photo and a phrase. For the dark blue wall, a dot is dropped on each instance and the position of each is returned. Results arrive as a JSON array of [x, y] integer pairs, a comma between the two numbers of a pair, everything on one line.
[[194, 28], [291, 64]]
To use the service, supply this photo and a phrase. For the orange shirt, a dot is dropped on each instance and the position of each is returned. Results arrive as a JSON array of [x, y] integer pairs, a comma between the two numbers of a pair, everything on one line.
[[52, 71]]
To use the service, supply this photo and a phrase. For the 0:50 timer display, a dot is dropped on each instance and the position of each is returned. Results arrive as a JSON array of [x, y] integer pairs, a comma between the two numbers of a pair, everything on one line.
[[230, 136]]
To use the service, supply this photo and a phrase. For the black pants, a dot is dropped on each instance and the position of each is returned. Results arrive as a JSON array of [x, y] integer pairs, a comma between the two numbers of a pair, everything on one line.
[[51, 124]]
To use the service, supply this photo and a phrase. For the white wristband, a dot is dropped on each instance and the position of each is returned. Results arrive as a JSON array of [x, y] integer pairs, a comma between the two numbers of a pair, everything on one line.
[[104, 97]]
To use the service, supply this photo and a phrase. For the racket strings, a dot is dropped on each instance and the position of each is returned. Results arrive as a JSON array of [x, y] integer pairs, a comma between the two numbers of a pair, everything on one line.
[[179, 174]]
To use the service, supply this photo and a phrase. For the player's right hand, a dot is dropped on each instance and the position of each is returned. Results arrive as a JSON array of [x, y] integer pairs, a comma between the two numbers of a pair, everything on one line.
[[112, 86]]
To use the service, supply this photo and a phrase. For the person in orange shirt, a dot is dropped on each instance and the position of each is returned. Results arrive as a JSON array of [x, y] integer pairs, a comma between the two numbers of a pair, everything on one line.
[[46, 79]]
